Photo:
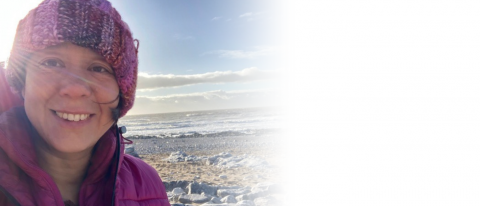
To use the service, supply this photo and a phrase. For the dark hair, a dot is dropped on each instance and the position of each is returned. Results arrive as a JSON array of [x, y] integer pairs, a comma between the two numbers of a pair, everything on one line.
[[115, 111]]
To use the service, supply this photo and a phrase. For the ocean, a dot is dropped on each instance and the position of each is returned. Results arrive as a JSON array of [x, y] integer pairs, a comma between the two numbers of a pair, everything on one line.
[[230, 122]]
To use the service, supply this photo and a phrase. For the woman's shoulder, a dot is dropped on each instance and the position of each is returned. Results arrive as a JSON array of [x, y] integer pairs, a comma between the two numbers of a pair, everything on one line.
[[139, 168], [140, 181]]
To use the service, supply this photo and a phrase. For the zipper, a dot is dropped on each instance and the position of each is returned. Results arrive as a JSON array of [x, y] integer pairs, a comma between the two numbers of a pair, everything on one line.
[[117, 160]]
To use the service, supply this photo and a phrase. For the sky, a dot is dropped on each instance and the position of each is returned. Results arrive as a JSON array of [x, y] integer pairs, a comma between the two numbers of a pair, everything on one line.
[[194, 55]]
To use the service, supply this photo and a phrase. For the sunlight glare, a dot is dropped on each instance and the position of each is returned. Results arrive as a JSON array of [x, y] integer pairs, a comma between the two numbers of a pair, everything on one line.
[[11, 13]]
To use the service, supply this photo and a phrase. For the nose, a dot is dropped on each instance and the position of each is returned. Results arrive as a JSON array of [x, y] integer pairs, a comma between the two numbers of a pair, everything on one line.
[[75, 86]]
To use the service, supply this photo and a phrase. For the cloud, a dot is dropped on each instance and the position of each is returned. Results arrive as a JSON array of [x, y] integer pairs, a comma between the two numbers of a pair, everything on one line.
[[216, 18], [146, 81], [242, 54], [205, 101], [248, 14]]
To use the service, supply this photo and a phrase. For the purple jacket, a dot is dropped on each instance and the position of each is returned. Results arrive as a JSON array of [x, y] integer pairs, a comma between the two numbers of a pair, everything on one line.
[[23, 182]]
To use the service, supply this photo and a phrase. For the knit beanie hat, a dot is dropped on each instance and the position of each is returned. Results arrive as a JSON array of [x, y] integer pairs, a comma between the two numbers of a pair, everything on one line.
[[93, 24]]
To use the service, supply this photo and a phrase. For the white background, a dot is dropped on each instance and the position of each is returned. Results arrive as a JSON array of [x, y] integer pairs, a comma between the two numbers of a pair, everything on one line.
[[383, 100]]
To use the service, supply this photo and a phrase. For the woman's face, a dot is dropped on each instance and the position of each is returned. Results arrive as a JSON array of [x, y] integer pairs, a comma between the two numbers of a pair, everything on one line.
[[63, 88]]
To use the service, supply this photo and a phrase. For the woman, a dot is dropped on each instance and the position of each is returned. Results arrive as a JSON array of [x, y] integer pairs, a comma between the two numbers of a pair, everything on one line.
[[74, 66]]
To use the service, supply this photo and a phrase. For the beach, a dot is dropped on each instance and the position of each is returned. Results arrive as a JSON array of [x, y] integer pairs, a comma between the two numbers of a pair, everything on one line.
[[212, 157], [262, 149]]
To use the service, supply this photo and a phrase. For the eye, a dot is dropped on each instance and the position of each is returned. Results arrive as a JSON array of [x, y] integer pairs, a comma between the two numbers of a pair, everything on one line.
[[52, 63], [100, 69]]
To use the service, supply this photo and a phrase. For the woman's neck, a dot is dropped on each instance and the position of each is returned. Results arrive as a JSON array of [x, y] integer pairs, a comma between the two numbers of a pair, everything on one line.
[[66, 169]]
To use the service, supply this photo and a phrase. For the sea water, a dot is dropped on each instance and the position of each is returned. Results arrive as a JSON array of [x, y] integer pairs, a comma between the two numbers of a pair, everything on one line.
[[251, 121]]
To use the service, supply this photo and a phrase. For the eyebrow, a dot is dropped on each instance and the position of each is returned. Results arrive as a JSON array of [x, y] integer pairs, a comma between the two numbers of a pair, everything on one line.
[[99, 58], [59, 53], [49, 52]]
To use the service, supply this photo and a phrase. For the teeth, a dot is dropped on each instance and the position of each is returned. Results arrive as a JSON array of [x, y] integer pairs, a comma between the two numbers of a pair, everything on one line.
[[76, 117], [72, 117]]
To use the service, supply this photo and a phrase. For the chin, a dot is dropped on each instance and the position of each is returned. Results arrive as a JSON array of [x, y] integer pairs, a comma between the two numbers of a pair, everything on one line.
[[69, 145], [72, 148]]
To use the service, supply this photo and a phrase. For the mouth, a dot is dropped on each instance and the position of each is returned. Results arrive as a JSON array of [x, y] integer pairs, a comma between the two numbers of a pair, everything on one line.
[[72, 117]]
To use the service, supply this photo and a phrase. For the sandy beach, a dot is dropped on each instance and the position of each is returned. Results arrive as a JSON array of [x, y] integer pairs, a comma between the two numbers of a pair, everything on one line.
[[154, 151], [264, 148]]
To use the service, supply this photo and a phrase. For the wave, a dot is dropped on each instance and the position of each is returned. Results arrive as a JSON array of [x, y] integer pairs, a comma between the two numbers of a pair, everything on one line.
[[259, 132]]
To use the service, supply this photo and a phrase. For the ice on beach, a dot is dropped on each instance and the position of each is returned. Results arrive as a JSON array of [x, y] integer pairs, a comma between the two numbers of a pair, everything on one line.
[[240, 161], [222, 160], [180, 156]]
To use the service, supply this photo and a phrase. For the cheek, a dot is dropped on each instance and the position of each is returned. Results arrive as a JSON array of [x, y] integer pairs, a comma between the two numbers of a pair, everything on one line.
[[107, 97], [35, 99], [38, 86], [29, 93], [105, 91], [108, 100]]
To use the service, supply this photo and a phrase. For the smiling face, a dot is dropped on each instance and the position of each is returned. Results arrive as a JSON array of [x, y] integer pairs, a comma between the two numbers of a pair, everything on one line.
[[69, 93]]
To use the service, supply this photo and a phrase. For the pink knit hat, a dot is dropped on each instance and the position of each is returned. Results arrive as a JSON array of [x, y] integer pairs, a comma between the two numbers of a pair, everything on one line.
[[93, 24]]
